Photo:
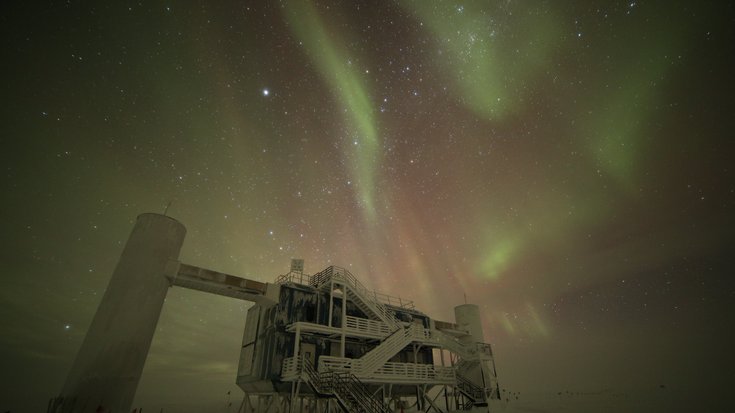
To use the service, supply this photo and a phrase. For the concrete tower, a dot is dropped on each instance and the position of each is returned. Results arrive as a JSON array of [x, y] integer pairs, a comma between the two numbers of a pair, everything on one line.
[[109, 364]]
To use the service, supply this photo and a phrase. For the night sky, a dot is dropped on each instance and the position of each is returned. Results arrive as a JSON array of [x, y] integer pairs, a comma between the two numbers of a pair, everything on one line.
[[565, 164]]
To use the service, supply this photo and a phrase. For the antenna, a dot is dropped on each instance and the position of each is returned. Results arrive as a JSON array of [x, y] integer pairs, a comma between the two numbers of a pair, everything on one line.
[[165, 211]]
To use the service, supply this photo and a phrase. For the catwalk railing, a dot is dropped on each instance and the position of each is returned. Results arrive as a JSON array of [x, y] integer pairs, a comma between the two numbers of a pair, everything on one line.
[[306, 279], [368, 327], [391, 372], [354, 327]]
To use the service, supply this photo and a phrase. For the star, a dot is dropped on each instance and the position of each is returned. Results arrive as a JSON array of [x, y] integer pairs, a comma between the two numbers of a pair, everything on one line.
[[531, 154]]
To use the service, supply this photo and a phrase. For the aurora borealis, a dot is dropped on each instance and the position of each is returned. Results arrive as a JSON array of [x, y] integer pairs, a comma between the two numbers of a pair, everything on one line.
[[565, 165]]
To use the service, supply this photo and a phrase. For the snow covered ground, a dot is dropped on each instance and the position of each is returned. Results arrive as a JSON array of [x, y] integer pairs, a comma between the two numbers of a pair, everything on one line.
[[655, 400]]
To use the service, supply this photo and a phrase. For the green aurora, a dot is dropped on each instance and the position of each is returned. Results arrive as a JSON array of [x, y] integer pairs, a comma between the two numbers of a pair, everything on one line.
[[564, 165]]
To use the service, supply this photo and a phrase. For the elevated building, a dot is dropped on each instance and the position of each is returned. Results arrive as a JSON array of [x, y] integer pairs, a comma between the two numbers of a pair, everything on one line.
[[312, 343], [376, 353]]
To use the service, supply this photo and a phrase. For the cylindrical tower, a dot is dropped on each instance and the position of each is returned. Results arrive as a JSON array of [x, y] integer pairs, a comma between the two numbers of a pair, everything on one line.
[[481, 371], [109, 364], [467, 317]]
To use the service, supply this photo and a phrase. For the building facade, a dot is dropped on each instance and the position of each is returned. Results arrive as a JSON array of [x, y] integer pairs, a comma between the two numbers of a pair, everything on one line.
[[330, 344]]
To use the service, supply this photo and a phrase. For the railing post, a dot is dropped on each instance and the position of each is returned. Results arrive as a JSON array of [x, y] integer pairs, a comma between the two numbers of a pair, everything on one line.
[[331, 301], [343, 324], [297, 340]]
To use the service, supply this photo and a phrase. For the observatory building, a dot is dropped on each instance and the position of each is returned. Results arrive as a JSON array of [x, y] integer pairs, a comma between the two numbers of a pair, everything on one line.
[[312, 343]]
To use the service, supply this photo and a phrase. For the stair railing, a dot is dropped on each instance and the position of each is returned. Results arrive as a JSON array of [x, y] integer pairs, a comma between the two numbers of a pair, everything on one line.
[[377, 357], [350, 387], [463, 351], [345, 386], [368, 296], [470, 389]]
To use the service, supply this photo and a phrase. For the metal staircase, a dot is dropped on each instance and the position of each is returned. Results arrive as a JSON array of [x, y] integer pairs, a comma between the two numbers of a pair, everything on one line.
[[349, 391], [377, 357], [453, 345], [489, 374], [463, 365], [473, 392], [362, 297]]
